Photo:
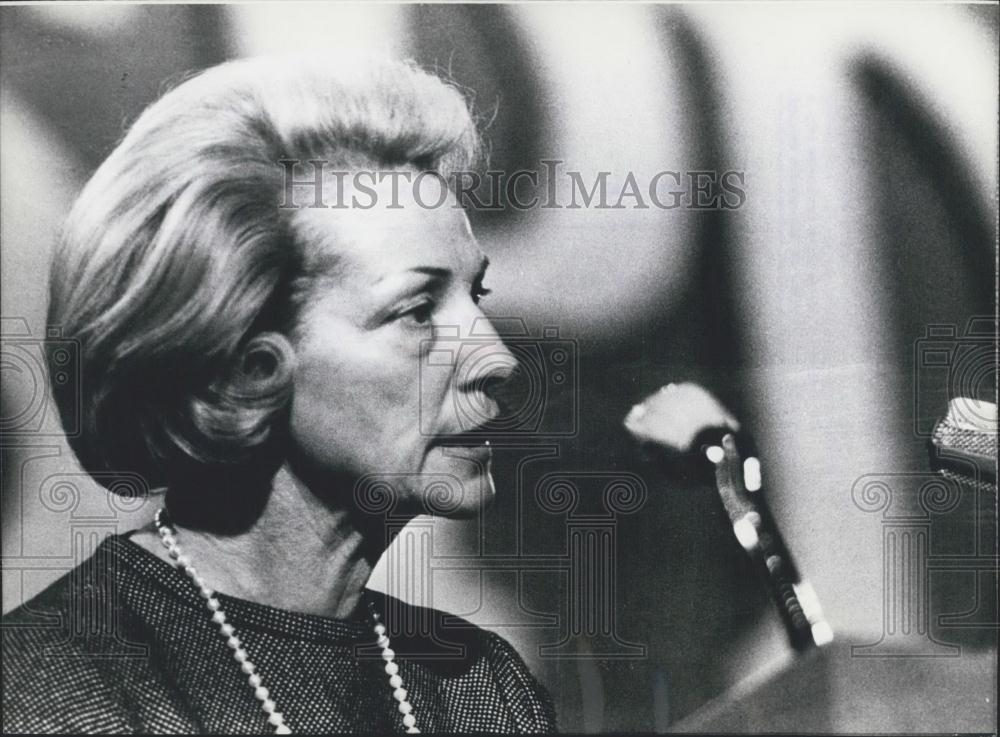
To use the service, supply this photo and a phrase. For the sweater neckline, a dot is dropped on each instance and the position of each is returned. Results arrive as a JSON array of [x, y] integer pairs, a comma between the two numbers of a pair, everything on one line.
[[150, 570]]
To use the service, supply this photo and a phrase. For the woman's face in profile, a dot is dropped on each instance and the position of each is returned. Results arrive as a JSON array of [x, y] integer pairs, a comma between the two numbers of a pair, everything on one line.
[[384, 368]]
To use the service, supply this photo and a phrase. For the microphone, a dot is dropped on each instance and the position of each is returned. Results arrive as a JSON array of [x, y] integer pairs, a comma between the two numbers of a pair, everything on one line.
[[963, 444], [686, 421]]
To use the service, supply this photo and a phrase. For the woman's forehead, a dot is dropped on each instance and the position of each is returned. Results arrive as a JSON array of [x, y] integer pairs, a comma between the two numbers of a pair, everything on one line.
[[380, 235]]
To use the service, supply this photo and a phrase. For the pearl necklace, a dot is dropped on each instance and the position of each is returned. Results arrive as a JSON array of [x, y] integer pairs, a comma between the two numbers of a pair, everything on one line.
[[274, 717]]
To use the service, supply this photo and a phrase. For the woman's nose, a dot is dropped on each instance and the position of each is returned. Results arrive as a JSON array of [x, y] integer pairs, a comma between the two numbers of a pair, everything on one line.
[[487, 362]]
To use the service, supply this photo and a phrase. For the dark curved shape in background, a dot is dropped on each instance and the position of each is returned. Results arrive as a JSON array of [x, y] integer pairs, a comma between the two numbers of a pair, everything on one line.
[[480, 48]]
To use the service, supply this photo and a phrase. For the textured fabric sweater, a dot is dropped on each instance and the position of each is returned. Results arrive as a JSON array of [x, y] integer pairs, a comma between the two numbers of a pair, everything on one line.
[[124, 643]]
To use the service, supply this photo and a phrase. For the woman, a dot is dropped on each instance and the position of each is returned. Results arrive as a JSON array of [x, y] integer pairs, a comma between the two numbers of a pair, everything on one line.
[[266, 363]]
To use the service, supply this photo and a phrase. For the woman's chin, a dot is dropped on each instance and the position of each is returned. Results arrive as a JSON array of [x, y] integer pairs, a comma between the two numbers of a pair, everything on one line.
[[458, 485], [480, 492]]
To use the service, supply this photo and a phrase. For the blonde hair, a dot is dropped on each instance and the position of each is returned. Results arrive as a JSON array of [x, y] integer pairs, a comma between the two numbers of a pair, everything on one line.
[[176, 258]]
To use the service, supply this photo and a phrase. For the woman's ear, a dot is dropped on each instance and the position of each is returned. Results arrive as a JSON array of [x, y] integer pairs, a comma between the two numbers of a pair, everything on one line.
[[267, 360], [242, 410]]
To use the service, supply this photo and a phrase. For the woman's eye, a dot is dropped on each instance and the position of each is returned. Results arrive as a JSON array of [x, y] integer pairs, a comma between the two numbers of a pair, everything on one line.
[[478, 292], [419, 314]]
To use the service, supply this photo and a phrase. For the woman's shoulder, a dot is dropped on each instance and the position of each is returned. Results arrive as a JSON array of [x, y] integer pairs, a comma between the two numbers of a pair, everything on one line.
[[435, 631], [53, 619], [72, 611], [452, 645], [53, 646]]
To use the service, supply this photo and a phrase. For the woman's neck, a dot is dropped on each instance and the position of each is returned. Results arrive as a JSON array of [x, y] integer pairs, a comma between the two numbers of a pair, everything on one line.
[[298, 555]]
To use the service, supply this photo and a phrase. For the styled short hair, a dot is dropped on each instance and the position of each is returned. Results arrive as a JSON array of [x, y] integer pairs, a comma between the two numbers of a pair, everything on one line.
[[177, 259]]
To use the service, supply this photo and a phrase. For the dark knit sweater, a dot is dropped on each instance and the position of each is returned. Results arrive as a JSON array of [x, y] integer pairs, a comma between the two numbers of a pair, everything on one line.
[[124, 643]]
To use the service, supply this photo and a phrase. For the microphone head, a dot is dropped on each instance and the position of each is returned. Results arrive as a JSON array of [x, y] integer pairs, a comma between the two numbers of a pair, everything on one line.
[[680, 418], [965, 441]]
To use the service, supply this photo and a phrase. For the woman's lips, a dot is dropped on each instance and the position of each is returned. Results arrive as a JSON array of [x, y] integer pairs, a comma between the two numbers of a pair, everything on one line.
[[481, 452]]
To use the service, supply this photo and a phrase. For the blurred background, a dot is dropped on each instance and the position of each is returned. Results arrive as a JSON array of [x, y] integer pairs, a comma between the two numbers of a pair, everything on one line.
[[833, 312]]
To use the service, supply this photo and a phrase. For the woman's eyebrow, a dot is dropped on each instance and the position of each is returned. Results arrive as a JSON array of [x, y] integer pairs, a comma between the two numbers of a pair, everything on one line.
[[442, 273], [435, 271]]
